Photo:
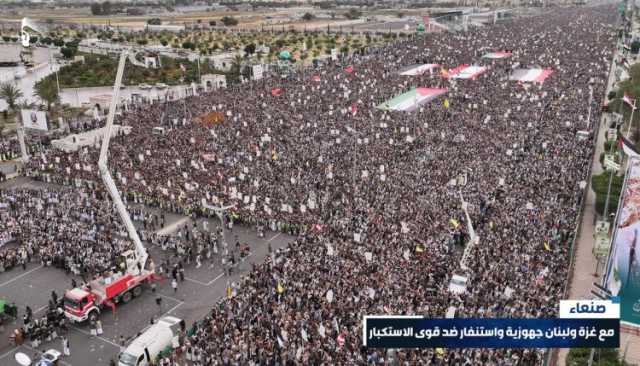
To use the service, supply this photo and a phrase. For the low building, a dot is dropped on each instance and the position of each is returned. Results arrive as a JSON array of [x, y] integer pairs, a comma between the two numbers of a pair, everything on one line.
[[213, 81]]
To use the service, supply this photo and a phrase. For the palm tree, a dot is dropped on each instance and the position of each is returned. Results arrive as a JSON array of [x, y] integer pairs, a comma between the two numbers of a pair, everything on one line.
[[10, 94], [47, 91], [236, 68]]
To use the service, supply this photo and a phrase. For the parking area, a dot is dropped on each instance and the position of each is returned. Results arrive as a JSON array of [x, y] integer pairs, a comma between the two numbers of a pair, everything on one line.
[[194, 298]]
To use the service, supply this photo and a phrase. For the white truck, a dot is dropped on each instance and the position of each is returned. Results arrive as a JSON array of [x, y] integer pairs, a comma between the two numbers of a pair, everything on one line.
[[158, 337]]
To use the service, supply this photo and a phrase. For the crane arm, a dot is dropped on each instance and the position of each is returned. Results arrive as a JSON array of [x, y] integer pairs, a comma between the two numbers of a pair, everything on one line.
[[105, 174]]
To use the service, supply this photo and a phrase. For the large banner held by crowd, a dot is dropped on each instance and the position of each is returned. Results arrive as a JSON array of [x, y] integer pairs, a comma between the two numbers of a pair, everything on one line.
[[531, 75], [34, 119], [413, 70], [622, 277], [412, 99]]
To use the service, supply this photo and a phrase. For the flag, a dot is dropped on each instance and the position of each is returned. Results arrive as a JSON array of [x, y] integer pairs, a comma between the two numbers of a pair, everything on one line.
[[419, 248], [349, 69], [627, 146], [276, 91], [316, 78], [354, 108], [280, 289], [229, 290], [446, 103], [546, 246], [454, 222], [444, 73], [440, 352], [627, 100]]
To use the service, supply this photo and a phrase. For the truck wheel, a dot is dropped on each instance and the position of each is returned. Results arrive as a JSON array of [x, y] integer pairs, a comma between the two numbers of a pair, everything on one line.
[[126, 297], [93, 315], [137, 291]]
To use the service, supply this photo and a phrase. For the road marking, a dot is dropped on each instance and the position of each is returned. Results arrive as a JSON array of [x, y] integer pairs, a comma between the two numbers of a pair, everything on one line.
[[40, 309], [172, 309], [10, 352], [98, 337], [172, 228], [215, 279], [275, 236], [196, 281], [22, 275], [170, 298]]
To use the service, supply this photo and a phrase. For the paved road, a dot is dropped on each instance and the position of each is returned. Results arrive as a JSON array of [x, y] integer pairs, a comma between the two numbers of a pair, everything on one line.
[[194, 298]]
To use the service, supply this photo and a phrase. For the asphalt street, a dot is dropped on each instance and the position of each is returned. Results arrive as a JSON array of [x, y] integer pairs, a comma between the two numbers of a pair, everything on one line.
[[194, 298]]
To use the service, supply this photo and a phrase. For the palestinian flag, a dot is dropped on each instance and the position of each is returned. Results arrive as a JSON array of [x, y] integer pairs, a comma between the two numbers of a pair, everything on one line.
[[628, 99], [412, 99], [627, 146], [497, 55], [466, 72], [417, 69], [531, 75]]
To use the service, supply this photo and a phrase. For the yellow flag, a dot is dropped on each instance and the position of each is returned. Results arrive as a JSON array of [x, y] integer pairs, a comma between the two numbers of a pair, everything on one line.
[[229, 292], [280, 289], [439, 352], [274, 154], [446, 103], [419, 248], [546, 246], [455, 223]]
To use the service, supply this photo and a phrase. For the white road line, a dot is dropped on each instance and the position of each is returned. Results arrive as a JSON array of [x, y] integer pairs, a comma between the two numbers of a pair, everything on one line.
[[196, 281], [170, 298], [19, 277], [8, 353], [170, 229], [40, 309], [98, 337], [215, 279], [172, 309], [275, 236]]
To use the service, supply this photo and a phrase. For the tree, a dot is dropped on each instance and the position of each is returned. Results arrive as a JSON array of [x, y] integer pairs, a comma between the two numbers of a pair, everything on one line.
[[96, 9], [308, 16], [164, 42], [58, 42], [154, 21], [188, 45], [10, 94], [47, 91], [229, 21], [68, 52], [236, 67], [353, 13], [250, 49], [212, 23]]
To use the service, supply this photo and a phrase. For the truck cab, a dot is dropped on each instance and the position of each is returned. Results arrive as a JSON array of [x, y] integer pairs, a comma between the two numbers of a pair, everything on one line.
[[78, 304]]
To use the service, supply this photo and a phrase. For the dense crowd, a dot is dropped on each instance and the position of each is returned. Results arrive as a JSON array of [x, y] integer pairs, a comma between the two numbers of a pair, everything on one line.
[[75, 230], [373, 196]]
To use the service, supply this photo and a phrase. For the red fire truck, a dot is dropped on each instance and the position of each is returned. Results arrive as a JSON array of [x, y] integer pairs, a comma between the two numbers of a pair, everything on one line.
[[89, 301]]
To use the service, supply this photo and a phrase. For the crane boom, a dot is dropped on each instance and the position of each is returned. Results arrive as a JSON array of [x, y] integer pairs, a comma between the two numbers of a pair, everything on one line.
[[105, 174]]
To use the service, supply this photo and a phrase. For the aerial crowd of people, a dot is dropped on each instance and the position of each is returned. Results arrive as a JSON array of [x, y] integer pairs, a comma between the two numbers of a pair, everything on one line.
[[374, 197]]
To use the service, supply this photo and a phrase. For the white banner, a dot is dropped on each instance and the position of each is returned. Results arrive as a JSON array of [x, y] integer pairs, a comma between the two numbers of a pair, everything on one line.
[[34, 119]]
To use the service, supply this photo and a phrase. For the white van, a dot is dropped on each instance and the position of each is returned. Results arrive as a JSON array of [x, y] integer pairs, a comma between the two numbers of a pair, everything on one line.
[[151, 342]]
